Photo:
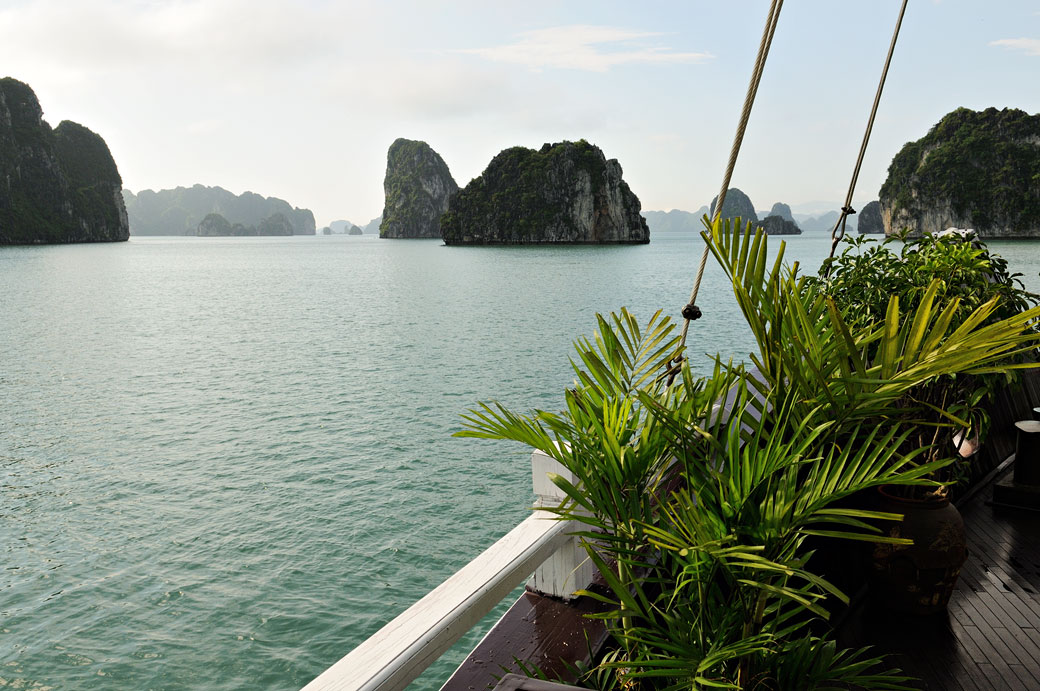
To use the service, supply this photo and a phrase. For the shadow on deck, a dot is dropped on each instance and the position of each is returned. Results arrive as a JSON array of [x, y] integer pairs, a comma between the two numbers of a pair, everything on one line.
[[988, 638]]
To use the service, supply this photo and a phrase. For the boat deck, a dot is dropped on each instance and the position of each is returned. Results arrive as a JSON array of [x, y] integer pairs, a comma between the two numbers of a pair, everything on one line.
[[990, 636]]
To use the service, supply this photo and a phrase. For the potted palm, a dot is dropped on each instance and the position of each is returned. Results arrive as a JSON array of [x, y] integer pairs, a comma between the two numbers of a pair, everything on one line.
[[698, 514], [955, 274]]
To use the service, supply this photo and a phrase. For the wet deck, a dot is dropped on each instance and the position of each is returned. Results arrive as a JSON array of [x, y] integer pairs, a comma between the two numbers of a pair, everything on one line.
[[990, 636]]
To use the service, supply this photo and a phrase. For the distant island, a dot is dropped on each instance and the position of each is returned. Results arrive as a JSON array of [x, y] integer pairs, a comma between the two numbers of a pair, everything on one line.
[[777, 221], [563, 193], [973, 169], [738, 205], [179, 211], [416, 186], [215, 225], [342, 228], [56, 186]]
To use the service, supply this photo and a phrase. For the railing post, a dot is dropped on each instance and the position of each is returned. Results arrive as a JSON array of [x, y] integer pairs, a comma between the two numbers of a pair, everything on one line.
[[569, 568]]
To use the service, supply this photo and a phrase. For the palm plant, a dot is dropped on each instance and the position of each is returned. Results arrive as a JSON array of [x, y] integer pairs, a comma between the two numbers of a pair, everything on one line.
[[956, 272], [697, 513]]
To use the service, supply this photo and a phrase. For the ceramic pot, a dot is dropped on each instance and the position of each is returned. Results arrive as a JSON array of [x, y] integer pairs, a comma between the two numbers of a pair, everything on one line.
[[919, 578]]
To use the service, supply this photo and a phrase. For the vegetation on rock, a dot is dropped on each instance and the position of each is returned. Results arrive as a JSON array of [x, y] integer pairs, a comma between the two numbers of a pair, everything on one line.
[[417, 187], [973, 169], [563, 193], [60, 185]]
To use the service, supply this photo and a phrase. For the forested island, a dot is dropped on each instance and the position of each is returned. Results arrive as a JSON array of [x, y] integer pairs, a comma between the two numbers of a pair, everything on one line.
[[563, 193], [57, 185], [973, 169], [416, 189]]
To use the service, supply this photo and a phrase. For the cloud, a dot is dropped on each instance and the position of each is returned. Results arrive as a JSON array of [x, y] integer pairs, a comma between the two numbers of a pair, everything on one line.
[[255, 36], [1029, 46], [586, 48]]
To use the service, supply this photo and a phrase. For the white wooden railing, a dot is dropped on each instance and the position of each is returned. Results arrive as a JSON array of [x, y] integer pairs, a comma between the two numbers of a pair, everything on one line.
[[400, 651]]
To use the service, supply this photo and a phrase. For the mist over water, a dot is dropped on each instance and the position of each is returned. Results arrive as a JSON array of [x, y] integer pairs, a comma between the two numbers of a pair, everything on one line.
[[224, 462]]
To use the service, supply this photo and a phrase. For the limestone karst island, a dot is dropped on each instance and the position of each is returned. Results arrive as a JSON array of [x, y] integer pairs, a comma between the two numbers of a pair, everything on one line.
[[738, 205], [973, 169], [977, 170], [417, 187], [563, 193], [56, 185]]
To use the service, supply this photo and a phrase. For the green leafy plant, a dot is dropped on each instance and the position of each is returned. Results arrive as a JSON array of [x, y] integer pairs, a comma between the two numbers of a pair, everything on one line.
[[956, 272], [697, 497]]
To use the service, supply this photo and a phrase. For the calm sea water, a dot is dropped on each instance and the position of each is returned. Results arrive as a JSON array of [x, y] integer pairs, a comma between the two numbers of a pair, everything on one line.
[[226, 462]]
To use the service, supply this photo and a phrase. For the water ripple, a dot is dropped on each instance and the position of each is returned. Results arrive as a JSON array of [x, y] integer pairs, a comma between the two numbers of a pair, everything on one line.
[[224, 464]]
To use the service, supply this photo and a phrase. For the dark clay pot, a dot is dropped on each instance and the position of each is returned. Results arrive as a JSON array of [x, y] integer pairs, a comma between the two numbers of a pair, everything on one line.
[[919, 578]]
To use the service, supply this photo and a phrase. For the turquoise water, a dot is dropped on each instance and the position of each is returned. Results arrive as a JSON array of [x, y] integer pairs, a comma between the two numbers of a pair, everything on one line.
[[226, 462]]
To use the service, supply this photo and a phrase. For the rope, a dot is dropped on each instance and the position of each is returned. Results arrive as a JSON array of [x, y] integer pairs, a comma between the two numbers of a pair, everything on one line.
[[691, 311], [847, 209]]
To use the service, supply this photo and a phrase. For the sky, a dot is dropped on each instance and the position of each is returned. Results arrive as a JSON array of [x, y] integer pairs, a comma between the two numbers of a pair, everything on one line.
[[300, 100]]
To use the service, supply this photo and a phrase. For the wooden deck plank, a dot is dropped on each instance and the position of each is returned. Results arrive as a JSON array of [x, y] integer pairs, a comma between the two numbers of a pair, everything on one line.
[[976, 645], [542, 632], [1027, 658], [982, 675], [1013, 578], [961, 677], [1001, 609], [990, 636], [1026, 678]]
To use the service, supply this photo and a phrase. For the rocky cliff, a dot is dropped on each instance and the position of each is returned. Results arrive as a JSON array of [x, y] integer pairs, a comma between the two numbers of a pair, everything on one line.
[[416, 188], [737, 204], [973, 169], [870, 219], [56, 186], [563, 193], [777, 225], [179, 211]]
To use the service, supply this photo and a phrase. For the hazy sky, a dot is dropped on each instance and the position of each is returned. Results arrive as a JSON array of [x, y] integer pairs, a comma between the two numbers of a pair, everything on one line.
[[300, 100]]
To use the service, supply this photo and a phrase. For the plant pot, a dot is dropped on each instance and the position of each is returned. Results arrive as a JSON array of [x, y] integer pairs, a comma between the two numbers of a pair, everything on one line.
[[919, 578]]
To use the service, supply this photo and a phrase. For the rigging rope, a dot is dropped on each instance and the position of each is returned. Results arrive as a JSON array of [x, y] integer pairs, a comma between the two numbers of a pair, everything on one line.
[[691, 312], [847, 209]]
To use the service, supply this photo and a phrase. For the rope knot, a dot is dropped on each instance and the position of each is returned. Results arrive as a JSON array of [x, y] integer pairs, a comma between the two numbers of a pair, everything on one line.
[[848, 210], [691, 312]]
